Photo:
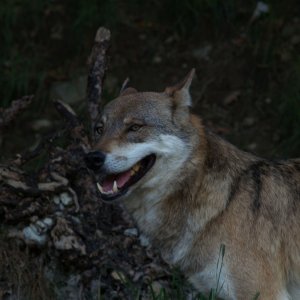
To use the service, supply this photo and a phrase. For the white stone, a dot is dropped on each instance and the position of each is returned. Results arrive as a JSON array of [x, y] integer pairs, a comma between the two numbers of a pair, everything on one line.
[[131, 232]]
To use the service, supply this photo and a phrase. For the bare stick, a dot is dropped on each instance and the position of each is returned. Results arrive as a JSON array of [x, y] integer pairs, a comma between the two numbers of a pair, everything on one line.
[[97, 63], [124, 85], [15, 178], [67, 112], [9, 114]]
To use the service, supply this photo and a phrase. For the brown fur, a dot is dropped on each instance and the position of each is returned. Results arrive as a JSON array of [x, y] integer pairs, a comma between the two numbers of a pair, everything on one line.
[[220, 195]]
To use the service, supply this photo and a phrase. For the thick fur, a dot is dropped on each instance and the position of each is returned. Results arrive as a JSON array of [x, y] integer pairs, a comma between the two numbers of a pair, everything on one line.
[[203, 192]]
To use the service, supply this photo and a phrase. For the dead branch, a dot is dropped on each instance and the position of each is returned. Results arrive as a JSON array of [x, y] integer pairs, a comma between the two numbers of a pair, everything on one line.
[[45, 144], [75, 126], [56, 205], [97, 63], [16, 179], [7, 115]]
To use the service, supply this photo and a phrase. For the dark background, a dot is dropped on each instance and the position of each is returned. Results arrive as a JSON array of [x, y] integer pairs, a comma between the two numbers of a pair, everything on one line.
[[248, 67]]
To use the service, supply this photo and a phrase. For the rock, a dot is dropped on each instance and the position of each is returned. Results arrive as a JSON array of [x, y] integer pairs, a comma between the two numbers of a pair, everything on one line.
[[131, 232], [41, 225], [118, 275], [137, 276], [66, 199], [32, 236], [56, 199], [144, 241], [64, 238], [36, 232], [49, 222]]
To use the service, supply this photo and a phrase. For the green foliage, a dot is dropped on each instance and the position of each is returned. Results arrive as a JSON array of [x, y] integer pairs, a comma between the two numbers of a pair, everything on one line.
[[188, 17], [39, 37], [18, 69]]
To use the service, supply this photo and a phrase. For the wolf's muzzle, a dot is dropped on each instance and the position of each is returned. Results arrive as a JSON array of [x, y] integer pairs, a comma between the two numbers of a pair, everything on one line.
[[95, 160]]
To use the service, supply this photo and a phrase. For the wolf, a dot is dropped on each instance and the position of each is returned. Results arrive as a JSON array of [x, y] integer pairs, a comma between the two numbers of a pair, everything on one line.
[[190, 192]]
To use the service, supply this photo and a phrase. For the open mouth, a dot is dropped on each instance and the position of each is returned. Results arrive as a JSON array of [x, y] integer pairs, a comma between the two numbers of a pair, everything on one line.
[[115, 185]]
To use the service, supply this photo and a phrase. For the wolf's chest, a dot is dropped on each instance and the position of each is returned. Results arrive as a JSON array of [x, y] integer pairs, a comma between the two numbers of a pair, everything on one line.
[[213, 278]]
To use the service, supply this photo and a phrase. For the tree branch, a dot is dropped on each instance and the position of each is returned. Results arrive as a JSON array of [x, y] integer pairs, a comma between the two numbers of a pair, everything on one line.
[[9, 114], [97, 63]]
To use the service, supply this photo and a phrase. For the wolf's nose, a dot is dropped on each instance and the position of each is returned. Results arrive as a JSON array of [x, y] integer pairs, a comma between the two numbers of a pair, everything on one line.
[[95, 160]]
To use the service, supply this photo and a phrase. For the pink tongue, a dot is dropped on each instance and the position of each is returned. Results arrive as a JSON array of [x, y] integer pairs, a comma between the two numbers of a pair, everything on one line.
[[121, 179]]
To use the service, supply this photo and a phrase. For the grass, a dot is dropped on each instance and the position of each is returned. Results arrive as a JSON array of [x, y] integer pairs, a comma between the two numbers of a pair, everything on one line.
[[19, 66], [40, 40], [23, 272], [178, 288]]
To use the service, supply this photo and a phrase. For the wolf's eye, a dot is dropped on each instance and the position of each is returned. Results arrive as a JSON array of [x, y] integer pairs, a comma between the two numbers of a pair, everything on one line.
[[99, 129], [134, 127]]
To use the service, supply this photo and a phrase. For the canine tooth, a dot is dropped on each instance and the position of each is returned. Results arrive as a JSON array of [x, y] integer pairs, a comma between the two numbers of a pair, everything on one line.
[[136, 167], [115, 187], [100, 188]]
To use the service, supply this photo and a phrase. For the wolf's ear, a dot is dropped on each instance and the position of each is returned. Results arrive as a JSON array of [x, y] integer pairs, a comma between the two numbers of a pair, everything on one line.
[[127, 90], [180, 92]]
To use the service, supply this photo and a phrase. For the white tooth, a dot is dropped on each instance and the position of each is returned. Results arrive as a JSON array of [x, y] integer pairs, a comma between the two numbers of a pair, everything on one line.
[[136, 167], [115, 187], [100, 188]]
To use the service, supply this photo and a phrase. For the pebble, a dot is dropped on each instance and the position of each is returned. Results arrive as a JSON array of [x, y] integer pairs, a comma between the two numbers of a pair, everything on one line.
[[66, 199], [131, 232], [31, 235], [144, 241], [118, 275], [48, 221], [56, 200]]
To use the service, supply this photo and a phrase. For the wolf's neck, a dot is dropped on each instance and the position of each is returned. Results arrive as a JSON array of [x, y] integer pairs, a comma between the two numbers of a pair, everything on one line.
[[198, 194], [202, 197], [213, 187]]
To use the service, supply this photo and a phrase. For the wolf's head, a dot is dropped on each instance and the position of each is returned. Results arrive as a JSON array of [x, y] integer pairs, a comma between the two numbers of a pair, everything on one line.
[[142, 140]]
